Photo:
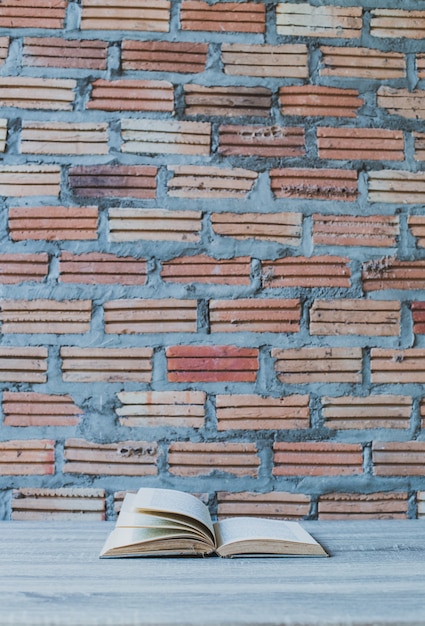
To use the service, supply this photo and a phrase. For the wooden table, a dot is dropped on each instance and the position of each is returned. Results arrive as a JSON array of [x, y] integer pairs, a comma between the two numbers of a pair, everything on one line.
[[50, 574]]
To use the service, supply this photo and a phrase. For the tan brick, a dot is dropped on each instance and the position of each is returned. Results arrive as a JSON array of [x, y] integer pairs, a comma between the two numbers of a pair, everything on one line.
[[402, 102], [286, 61], [143, 15], [25, 92], [418, 317], [254, 412], [114, 181], [150, 316], [419, 139], [398, 458], [312, 100], [212, 364], [246, 17], [379, 231], [318, 21], [324, 365], [32, 14], [378, 318], [164, 56], [263, 141], [165, 137], [28, 408], [173, 409], [3, 134], [397, 23], [319, 271], [391, 505], [360, 413], [125, 458], [390, 273], [23, 365], [397, 366], [20, 181], [191, 181], [45, 316], [255, 315], [96, 268], [197, 459], [373, 144], [63, 504], [4, 49], [53, 223], [396, 186], [315, 184], [19, 268], [64, 138], [349, 62], [106, 364], [317, 458], [285, 228], [204, 269], [131, 95], [229, 101], [421, 503], [126, 224], [29, 457], [85, 54], [273, 505]]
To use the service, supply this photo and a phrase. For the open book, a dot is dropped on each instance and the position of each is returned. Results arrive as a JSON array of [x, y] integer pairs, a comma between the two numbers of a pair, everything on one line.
[[165, 522]]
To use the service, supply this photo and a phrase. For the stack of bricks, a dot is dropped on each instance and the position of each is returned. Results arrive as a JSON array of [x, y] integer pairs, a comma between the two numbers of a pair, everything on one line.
[[212, 262]]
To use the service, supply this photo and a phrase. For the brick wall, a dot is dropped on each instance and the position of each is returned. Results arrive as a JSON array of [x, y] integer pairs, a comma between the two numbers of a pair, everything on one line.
[[212, 258]]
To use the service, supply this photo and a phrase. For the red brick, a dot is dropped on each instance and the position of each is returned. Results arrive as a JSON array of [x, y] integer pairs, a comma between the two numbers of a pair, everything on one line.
[[314, 184], [150, 316], [106, 364], [23, 365], [397, 23], [378, 318], [212, 364], [114, 181], [360, 413], [28, 408], [4, 49], [21, 181], [32, 13], [319, 271], [419, 139], [29, 457], [273, 505], [131, 95], [360, 143], [25, 92], [96, 268], [126, 224], [45, 316], [418, 315], [229, 101], [317, 458], [19, 268], [165, 137], [204, 269], [163, 56], [422, 415], [402, 102], [223, 17], [312, 100], [173, 409], [286, 228], [53, 223], [334, 506], [197, 459], [264, 141], [287, 61], [324, 365], [125, 458], [397, 366], [255, 315], [191, 181], [398, 458], [63, 504], [420, 65], [254, 412], [379, 231], [85, 54], [306, 20], [64, 138], [390, 273], [143, 15], [348, 62]]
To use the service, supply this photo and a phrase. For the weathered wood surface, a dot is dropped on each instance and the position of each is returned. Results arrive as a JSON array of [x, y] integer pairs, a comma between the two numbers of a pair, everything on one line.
[[50, 575]]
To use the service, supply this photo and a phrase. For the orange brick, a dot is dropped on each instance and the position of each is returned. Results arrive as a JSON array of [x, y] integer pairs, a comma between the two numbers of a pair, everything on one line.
[[131, 95], [100, 268], [287, 61], [353, 230], [197, 459], [418, 315], [246, 17], [20, 181], [3, 134], [164, 56], [175, 409], [143, 15], [45, 316], [319, 271], [23, 365], [53, 223], [364, 144], [4, 49], [230, 101], [165, 137], [127, 224], [306, 20], [390, 273], [317, 458], [114, 181], [33, 14], [64, 504], [25, 92], [264, 141], [378, 318], [348, 62], [324, 365], [85, 54], [253, 412], [360, 413], [398, 458], [212, 364], [402, 102], [106, 364], [204, 269], [19, 268], [64, 138], [273, 505], [255, 315], [285, 228], [316, 184], [398, 366], [334, 506], [397, 23], [312, 100], [150, 316], [29, 457], [397, 186], [125, 458], [28, 408], [191, 181]]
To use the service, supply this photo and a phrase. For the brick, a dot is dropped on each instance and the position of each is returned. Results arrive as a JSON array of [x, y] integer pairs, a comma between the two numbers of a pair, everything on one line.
[[263, 141], [29, 457], [53, 223], [204, 269], [419, 139], [312, 365], [272, 505], [255, 315], [63, 504], [397, 366], [23, 365], [380, 505], [390, 273], [402, 102], [312, 100], [141, 315], [254, 412], [285, 228], [165, 137], [173, 409], [164, 56], [223, 17], [125, 458], [365, 144], [314, 184], [198, 459], [306, 20], [25, 92], [4, 49], [396, 186], [378, 231], [3, 134], [131, 95], [377, 318], [82, 54], [191, 181], [114, 181], [422, 414], [28, 408], [397, 23], [141, 15], [420, 65], [64, 138], [21, 181], [360, 413], [317, 458], [263, 61], [418, 316], [398, 458], [126, 224], [349, 62], [34, 14], [96, 268], [297, 271], [420, 496], [45, 316], [230, 101], [212, 364], [19, 268], [106, 364]]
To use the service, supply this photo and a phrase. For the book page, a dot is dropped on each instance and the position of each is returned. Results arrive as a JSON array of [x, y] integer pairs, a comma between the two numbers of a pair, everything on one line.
[[153, 541]]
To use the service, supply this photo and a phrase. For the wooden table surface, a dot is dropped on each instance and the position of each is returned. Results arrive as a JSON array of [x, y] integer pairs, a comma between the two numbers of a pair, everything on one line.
[[50, 575]]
